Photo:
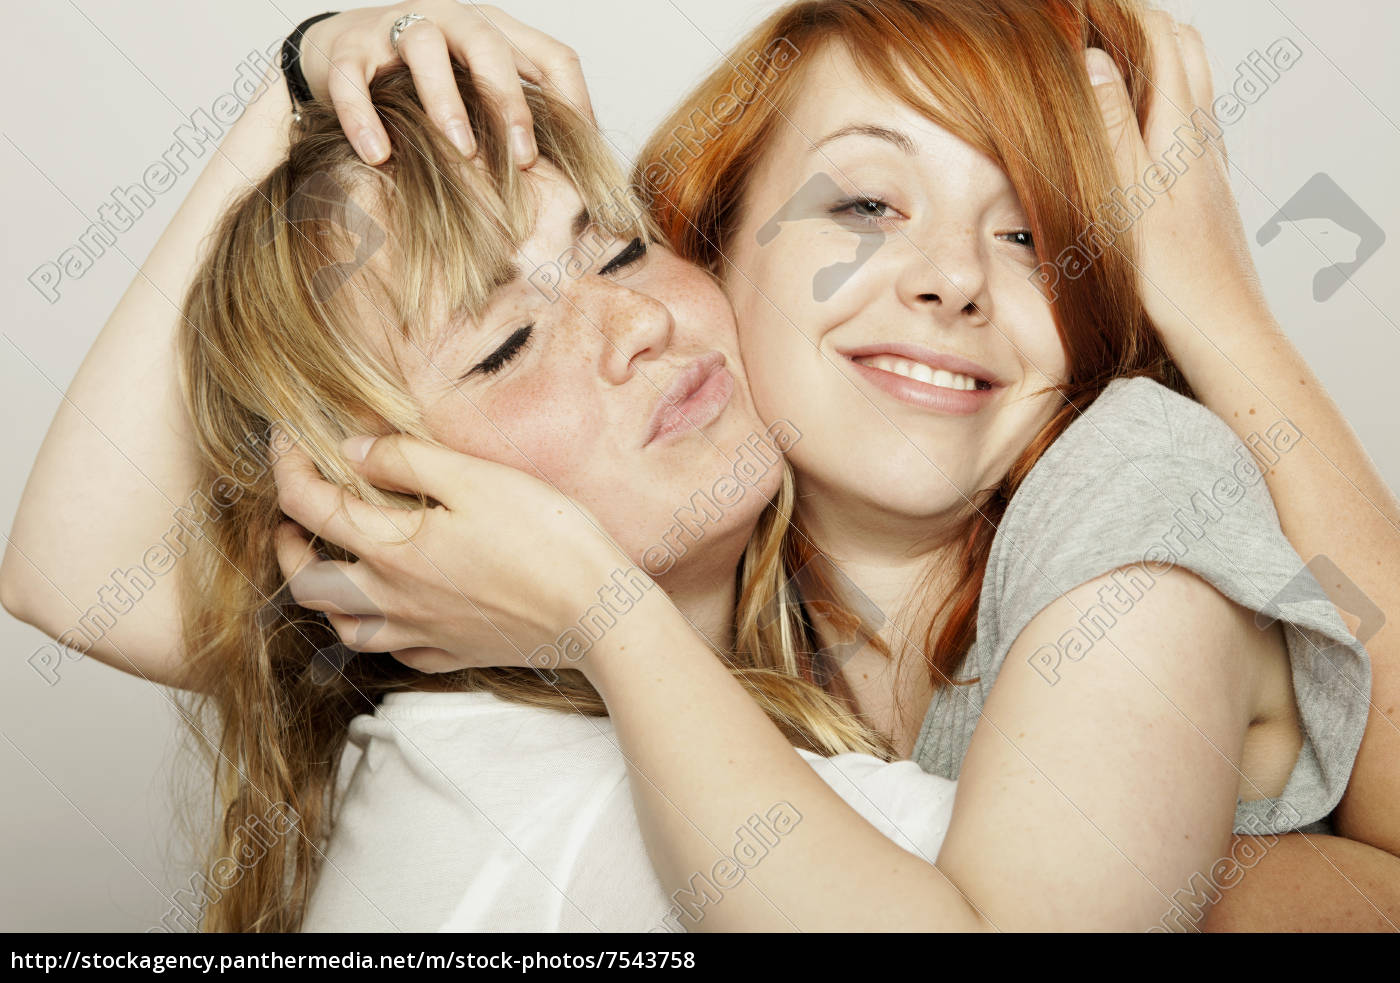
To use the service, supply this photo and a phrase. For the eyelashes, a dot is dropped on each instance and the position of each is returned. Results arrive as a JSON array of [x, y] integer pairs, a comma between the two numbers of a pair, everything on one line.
[[500, 358], [875, 211], [870, 211], [519, 339], [630, 254]]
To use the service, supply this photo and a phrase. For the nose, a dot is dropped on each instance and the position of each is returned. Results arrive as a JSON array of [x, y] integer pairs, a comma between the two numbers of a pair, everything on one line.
[[635, 327], [946, 276]]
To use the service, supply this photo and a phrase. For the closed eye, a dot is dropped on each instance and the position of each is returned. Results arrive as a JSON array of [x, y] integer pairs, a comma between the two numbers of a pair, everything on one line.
[[509, 348], [631, 253]]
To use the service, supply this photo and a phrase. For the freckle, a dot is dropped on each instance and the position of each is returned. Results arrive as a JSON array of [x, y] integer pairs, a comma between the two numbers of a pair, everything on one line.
[[1237, 412], [1251, 412]]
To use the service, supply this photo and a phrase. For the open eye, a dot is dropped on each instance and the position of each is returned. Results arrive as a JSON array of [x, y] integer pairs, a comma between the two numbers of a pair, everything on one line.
[[631, 254], [1021, 237], [870, 210], [501, 357]]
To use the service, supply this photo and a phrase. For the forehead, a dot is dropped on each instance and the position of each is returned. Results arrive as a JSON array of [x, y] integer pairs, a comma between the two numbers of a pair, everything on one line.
[[840, 99], [560, 216]]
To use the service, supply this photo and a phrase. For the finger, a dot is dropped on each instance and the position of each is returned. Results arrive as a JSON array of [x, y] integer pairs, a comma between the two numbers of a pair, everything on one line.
[[370, 634], [545, 61], [1172, 102], [1198, 74], [328, 511], [348, 87], [294, 550], [492, 62], [329, 586], [424, 49], [1119, 118], [401, 463], [559, 72]]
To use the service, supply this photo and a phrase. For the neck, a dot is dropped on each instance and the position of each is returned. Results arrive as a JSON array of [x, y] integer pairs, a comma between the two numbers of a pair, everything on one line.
[[884, 563], [701, 584]]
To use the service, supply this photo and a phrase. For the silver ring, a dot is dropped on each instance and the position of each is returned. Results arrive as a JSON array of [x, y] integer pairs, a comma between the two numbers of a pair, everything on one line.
[[401, 25]]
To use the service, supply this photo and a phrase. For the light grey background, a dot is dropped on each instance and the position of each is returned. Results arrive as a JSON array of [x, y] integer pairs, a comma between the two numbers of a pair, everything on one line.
[[87, 835]]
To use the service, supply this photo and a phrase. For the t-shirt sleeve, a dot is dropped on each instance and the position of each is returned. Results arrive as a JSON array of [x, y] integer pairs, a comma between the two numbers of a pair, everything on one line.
[[1145, 481]]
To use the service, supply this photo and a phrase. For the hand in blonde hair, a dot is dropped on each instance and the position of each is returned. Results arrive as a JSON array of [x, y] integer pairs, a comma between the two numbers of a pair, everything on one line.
[[341, 54], [452, 586], [1194, 263]]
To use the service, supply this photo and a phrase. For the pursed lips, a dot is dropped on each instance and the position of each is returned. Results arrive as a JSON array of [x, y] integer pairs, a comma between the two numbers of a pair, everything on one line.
[[695, 398]]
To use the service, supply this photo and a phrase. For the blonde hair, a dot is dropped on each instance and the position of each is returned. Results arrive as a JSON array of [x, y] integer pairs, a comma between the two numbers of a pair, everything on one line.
[[269, 337]]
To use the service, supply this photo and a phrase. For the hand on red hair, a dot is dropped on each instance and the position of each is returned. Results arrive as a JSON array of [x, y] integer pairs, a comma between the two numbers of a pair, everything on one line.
[[1196, 273]]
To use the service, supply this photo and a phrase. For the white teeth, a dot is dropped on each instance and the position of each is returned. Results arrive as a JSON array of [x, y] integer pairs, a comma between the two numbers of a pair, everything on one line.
[[920, 372]]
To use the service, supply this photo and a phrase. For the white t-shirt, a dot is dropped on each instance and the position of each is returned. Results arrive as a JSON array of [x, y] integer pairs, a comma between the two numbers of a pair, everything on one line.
[[465, 812]]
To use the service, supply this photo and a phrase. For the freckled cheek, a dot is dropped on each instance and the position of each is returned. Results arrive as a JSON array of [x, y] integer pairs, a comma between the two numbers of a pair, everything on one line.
[[545, 429], [702, 314]]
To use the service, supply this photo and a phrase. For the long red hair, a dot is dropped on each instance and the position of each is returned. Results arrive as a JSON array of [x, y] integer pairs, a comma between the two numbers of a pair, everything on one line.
[[1008, 78]]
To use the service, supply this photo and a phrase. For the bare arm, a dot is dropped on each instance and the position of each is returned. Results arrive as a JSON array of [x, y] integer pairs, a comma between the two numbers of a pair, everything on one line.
[[1053, 827], [118, 459], [1127, 823], [1202, 292]]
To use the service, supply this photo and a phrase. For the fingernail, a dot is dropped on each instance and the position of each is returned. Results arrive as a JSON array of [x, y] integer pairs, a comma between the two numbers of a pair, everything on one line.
[[1101, 67], [522, 147], [356, 448], [460, 136], [372, 146]]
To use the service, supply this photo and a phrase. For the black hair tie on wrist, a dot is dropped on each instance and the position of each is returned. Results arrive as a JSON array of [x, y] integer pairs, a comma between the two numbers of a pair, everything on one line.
[[291, 64]]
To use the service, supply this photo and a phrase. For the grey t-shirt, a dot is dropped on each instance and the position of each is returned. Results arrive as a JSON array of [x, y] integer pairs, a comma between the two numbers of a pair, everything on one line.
[[1145, 479]]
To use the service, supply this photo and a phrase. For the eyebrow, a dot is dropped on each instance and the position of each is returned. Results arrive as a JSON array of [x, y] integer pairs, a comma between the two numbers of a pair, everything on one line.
[[578, 227], [899, 139]]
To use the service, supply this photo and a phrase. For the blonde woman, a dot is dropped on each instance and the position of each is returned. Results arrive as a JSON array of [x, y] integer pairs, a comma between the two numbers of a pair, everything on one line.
[[332, 296]]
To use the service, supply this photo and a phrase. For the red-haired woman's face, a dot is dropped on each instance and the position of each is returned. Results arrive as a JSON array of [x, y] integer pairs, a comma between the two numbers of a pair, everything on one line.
[[881, 275]]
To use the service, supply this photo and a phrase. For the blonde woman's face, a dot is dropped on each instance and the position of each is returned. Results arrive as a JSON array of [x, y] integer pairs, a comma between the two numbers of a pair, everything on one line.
[[882, 282], [618, 382]]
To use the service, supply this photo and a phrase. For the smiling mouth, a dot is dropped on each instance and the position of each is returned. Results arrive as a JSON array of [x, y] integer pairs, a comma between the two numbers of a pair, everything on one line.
[[920, 372], [924, 378]]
